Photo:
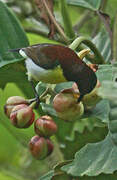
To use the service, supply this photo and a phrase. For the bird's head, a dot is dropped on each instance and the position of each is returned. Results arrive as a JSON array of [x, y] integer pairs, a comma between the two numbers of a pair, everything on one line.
[[22, 53]]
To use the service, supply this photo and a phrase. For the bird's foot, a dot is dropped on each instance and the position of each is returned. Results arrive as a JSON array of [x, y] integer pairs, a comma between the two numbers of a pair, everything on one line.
[[37, 101]]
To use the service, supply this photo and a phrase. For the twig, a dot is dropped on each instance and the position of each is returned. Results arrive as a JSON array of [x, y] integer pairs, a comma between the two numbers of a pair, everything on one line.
[[106, 25], [60, 30], [35, 31], [42, 33], [97, 26]]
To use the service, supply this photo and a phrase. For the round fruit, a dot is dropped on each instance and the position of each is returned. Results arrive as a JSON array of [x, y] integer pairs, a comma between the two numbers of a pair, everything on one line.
[[45, 126], [22, 116]]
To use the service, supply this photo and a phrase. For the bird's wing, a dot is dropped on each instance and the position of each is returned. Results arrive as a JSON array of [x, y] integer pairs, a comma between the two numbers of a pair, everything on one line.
[[43, 55], [49, 56]]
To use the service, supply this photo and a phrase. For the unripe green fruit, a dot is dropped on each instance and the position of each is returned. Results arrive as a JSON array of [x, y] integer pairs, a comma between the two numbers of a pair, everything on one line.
[[90, 100], [45, 126], [40, 147], [12, 102], [66, 106], [22, 116]]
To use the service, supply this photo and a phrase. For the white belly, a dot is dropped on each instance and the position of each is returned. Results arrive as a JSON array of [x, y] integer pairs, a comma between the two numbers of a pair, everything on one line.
[[48, 76]]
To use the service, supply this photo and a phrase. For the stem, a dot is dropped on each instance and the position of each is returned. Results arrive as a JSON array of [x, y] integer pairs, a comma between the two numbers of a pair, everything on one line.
[[106, 24], [99, 58], [66, 19], [60, 30], [44, 93], [33, 104], [97, 26], [41, 33], [103, 5]]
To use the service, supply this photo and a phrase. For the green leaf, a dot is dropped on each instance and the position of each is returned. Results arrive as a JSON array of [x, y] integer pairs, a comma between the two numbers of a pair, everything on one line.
[[71, 146], [47, 108], [105, 72], [59, 87], [89, 4], [101, 111], [5, 176], [102, 42], [94, 159], [47, 176], [66, 19], [97, 158], [12, 36], [13, 73], [41, 88]]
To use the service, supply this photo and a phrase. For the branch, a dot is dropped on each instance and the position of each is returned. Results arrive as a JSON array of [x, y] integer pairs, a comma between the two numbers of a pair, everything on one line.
[[42, 33], [105, 22], [60, 30]]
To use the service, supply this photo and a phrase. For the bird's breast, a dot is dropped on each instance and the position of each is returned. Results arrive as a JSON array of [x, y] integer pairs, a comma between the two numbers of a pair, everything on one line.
[[40, 74]]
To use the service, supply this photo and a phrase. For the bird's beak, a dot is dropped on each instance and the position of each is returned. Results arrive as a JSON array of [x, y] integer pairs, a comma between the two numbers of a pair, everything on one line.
[[14, 50]]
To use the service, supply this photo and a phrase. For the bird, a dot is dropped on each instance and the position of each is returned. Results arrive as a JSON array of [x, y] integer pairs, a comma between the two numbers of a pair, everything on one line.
[[52, 63]]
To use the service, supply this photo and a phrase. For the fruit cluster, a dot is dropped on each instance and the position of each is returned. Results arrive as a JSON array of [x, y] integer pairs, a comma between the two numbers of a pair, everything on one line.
[[67, 107], [21, 115]]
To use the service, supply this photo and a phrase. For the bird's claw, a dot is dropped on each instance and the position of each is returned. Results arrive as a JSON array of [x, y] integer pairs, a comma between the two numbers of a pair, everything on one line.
[[37, 101]]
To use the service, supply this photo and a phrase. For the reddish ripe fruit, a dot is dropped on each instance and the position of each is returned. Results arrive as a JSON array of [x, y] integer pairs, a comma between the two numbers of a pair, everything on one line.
[[12, 102], [22, 116], [45, 126], [50, 146], [38, 147]]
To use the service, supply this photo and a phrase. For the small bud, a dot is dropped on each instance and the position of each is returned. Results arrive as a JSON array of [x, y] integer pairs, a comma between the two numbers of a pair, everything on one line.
[[22, 116], [12, 102], [38, 147], [50, 146], [90, 100], [45, 126], [66, 106], [94, 67]]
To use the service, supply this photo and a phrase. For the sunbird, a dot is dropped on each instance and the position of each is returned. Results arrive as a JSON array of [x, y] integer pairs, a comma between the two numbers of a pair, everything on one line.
[[51, 63]]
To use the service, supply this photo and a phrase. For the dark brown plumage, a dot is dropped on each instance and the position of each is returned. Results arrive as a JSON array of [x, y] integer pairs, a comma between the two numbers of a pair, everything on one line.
[[49, 56]]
